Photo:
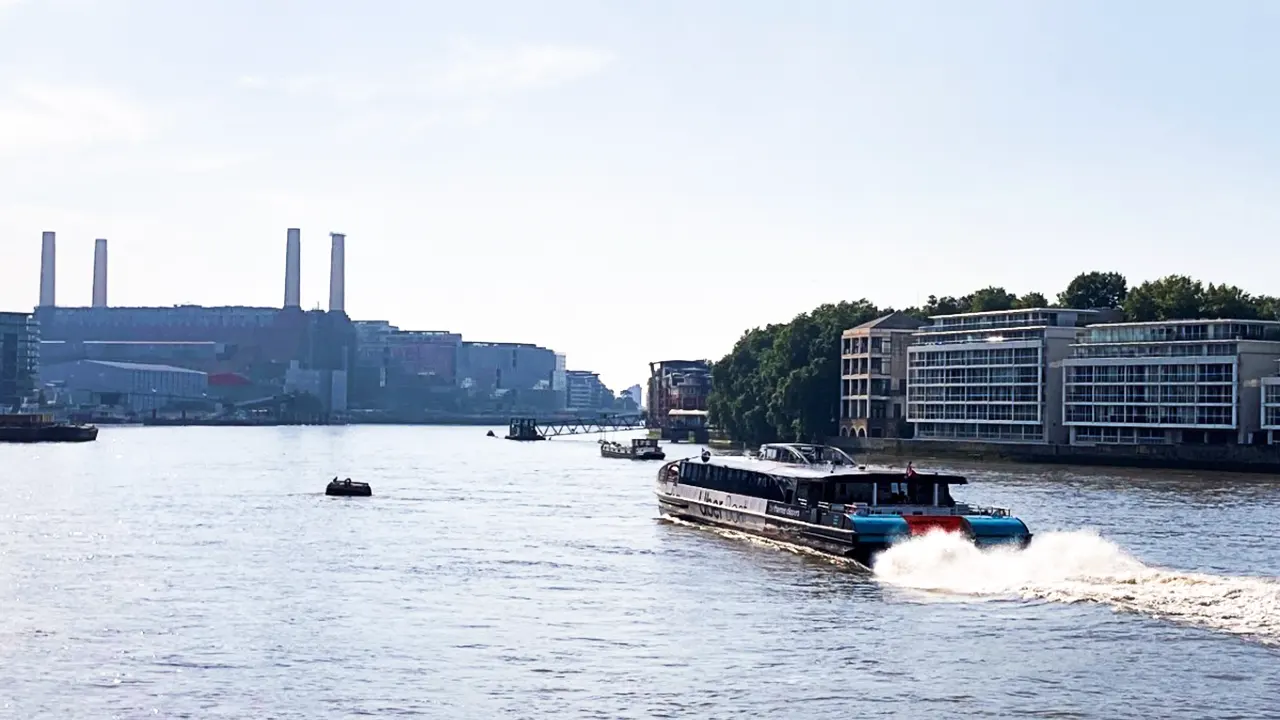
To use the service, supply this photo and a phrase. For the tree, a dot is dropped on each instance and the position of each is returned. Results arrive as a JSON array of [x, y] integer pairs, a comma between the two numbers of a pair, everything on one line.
[[1228, 301], [780, 382], [1031, 300], [1095, 290], [1175, 297], [988, 299], [942, 306]]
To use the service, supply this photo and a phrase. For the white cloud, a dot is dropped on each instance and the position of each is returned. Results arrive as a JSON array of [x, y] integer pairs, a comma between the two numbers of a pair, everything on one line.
[[467, 69], [38, 118], [474, 69]]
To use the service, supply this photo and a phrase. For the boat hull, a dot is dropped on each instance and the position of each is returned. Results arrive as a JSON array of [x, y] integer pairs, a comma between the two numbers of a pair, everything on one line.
[[49, 433]]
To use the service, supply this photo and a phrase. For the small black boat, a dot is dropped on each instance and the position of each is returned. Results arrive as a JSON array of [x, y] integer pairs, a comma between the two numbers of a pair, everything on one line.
[[346, 488]]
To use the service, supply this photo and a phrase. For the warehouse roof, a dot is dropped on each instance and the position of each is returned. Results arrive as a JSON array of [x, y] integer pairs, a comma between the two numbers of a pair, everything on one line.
[[142, 366]]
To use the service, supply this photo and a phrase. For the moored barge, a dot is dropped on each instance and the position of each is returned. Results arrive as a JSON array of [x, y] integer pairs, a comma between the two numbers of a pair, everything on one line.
[[640, 449], [817, 497], [41, 427]]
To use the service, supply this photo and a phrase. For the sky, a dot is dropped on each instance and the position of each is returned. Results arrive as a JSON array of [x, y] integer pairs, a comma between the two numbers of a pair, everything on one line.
[[625, 181]]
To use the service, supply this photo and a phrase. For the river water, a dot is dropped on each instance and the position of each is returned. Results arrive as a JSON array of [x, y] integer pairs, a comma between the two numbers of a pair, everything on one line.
[[201, 573]]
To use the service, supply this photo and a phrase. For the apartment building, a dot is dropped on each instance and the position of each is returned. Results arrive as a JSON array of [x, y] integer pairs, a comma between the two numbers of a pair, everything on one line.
[[1183, 381], [1271, 408], [873, 377], [991, 376]]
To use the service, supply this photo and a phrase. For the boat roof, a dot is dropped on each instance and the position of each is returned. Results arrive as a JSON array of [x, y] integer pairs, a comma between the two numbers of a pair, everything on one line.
[[846, 473]]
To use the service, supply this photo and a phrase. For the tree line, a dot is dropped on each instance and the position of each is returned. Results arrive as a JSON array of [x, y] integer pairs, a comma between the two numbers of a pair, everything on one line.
[[779, 382]]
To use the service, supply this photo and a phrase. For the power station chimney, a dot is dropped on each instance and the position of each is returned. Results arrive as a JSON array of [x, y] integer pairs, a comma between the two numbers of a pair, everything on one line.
[[100, 273], [337, 273], [293, 269], [47, 272]]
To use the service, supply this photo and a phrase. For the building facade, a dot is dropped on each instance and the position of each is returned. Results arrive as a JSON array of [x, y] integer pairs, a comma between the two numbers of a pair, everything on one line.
[[19, 359], [1183, 381], [1271, 408], [586, 392], [991, 376], [486, 367], [873, 377], [677, 385], [135, 387]]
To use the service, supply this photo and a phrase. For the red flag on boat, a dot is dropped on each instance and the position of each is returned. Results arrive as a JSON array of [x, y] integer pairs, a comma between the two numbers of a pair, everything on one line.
[[911, 472]]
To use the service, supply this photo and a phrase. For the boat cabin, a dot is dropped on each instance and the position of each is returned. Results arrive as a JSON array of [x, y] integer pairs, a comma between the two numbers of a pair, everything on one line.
[[644, 444], [816, 476]]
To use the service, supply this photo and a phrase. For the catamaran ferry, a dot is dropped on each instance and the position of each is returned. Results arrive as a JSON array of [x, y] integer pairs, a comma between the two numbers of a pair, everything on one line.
[[817, 497]]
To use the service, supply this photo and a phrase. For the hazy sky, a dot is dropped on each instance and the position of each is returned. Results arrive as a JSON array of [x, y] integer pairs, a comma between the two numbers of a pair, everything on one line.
[[634, 181]]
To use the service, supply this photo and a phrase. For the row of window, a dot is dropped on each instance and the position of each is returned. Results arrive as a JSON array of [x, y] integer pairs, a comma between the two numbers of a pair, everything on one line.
[[975, 376], [966, 358], [1151, 414], [1271, 394], [1271, 417], [1176, 394], [1154, 351], [865, 345], [1182, 373], [1029, 412], [734, 481], [882, 387], [1187, 332], [974, 393], [1120, 436], [980, 431]]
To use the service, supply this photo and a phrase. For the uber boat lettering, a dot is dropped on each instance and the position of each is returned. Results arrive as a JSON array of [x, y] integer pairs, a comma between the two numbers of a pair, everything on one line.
[[817, 496]]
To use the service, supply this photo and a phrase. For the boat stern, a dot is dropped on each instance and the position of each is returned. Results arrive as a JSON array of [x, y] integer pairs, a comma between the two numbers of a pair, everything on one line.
[[1006, 530]]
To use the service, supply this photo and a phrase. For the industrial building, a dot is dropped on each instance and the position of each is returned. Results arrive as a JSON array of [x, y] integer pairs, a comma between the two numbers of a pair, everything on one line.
[[19, 359], [586, 392], [487, 367], [1173, 382], [257, 342], [135, 387], [873, 377], [991, 376], [1271, 408]]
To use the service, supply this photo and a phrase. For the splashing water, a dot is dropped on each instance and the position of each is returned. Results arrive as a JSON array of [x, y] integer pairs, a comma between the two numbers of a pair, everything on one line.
[[1075, 567]]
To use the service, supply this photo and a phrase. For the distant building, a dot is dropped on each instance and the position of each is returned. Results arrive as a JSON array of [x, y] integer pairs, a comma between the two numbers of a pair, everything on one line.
[[1271, 408], [487, 367], [586, 392], [19, 359], [1180, 381], [137, 387], [873, 370], [991, 376], [636, 393], [678, 385]]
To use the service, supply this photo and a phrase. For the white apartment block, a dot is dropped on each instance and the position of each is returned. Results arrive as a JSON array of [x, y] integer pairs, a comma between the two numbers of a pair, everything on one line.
[[1271, 408], [991, 376], [1179, 381]]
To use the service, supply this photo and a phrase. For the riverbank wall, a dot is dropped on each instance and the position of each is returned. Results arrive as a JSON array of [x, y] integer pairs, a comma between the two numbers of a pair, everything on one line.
[[1223, 458]]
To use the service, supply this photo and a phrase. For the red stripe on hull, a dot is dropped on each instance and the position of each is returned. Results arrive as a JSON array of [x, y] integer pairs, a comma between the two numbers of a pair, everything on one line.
[[921, 524]]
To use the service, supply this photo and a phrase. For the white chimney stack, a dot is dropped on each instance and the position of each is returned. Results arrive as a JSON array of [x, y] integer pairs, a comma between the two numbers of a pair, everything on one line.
[[47, 271], [293, 269], [100, 273], [337, 273]]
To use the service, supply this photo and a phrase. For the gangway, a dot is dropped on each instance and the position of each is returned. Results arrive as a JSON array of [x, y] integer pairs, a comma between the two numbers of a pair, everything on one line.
[[529, 429]]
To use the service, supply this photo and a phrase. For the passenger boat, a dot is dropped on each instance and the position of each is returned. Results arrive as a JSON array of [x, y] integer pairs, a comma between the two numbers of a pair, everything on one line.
[[640, 449], [41, 427], [817, 497]]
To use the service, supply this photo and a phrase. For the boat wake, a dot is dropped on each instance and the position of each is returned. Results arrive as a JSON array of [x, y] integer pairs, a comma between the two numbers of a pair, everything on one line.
[[1073, 567]]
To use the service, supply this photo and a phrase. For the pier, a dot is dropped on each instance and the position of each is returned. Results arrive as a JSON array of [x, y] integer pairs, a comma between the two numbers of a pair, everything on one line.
[[529, 429]]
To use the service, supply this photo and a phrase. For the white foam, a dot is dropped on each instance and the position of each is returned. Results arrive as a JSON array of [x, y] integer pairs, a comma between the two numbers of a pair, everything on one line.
[[1083, 567]]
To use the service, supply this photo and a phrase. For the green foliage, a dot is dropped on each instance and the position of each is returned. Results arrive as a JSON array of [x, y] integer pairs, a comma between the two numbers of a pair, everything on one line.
[[777, 383], [780, 382], [1030, 301], [1095, 290]]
